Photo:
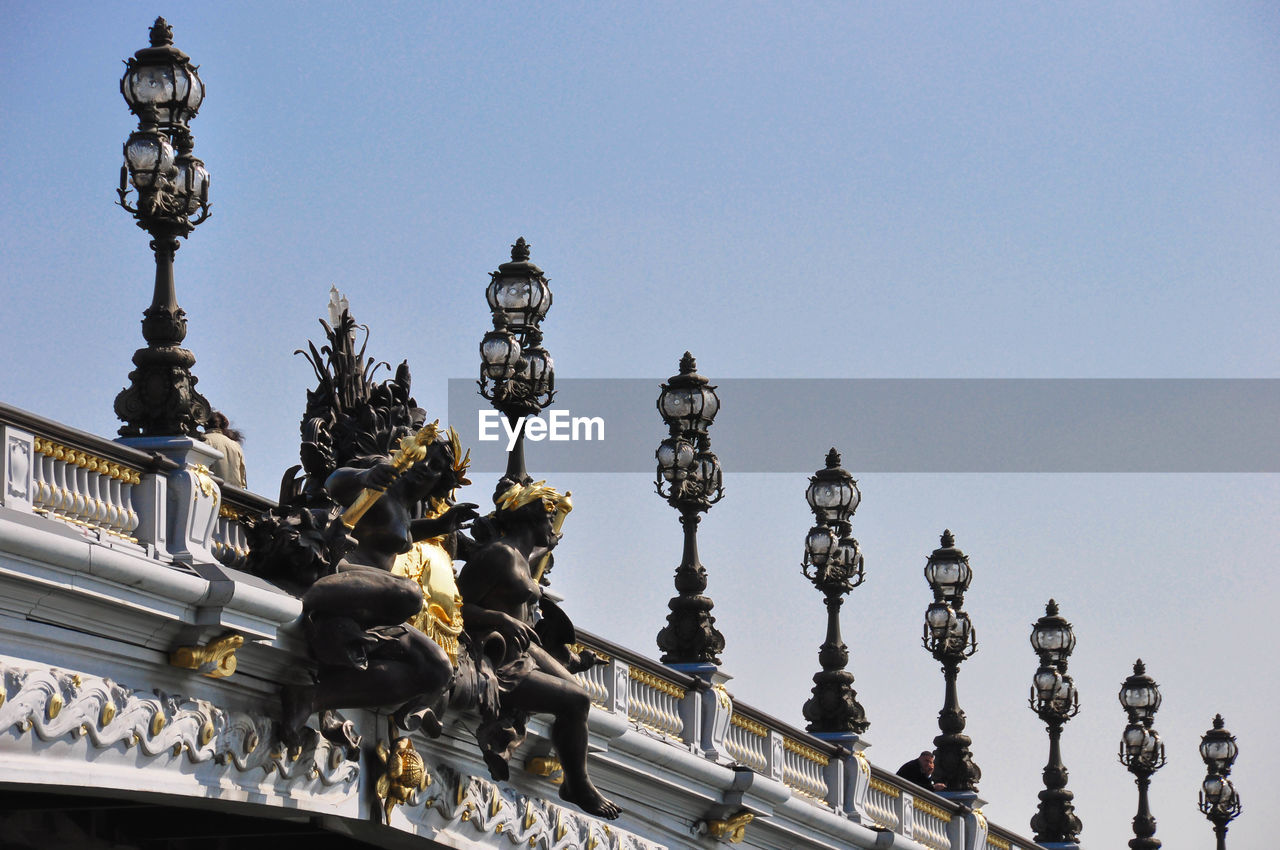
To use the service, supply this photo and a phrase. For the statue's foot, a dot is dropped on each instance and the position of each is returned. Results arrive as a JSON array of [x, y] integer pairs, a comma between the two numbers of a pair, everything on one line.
[[338, 730], [431, 725], [585, 796], [413, 716], [498, 767]]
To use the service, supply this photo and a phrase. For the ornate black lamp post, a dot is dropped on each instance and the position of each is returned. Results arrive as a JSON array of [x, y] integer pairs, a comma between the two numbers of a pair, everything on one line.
[[689, 479], [516, 372], [1218, 799], [1055, 701], [833, 562], [163, 89], [1141, 750], [950, 638]]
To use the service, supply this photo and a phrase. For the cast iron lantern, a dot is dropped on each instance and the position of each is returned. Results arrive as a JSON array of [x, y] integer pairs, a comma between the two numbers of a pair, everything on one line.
[[1219, 801], [191, 182], [1052, 638], [675, 461], [1055, 701], [517, 375], [149, 156], [1141, 751], [947, 571], [832, 493], [163, 90], [950, 638], [499, 352], [160, 84], [690, 479], [819, 544], [1140, 696], [688, 403], [519, 290], [537, 368], [833, 562], [1218, 748], [940, 621]]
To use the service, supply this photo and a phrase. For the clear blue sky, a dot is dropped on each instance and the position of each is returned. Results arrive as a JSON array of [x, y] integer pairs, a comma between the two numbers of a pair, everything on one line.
[[816, 190]]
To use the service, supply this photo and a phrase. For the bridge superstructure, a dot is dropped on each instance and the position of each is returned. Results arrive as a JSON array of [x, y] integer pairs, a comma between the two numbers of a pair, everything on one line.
[[141, 662]]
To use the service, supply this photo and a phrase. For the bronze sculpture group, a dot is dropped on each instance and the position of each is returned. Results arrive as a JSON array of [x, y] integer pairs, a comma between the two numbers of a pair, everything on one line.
[[367, 537]]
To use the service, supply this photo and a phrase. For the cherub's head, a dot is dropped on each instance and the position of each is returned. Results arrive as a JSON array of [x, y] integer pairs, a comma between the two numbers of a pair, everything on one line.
[[537, 504], [437, 476]]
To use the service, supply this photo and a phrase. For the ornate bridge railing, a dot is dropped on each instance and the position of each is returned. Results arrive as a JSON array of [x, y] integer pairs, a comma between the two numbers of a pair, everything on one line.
[[1002, 839], [675, 708], [71, 476], [131, 500], [230, 544]]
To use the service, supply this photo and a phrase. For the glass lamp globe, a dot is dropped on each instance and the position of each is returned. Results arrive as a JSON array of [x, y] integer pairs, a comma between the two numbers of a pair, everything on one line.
[[540, 370], [832, 493], [1218, 748], [940, 619], [192, 183], [1134, 740], [849, 556], [708, 470], [1051, 636], [1151, 745], [947, 569], [675, 456], [688, 404], [819, 544], [160, 84], [1139, 694], [1047, 681], [519, 290], [499, 351], [1216, 788], [150, 159]]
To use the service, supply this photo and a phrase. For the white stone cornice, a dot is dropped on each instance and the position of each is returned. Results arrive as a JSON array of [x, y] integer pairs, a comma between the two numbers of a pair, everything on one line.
[[55, 723], [460, 810]]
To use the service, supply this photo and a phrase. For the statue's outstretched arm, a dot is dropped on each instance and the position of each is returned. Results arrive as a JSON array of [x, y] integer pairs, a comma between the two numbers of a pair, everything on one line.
[[345, 484], [457, 517]]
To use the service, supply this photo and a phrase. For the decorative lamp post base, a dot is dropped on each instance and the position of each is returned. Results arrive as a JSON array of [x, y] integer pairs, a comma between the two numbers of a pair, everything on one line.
[[690, 636], [161, 399], [834, 706], [954, 763], [1055, 817], [964, 798]]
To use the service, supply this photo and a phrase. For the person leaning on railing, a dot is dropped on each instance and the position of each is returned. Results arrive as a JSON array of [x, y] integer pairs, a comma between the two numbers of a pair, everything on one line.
[[919, 771], [227, 440]]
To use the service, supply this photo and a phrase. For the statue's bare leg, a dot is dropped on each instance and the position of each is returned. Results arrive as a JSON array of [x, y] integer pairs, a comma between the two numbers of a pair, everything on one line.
[[562, 697]]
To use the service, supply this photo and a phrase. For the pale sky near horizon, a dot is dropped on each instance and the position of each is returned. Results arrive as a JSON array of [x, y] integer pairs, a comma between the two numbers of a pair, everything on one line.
[[819, 190]]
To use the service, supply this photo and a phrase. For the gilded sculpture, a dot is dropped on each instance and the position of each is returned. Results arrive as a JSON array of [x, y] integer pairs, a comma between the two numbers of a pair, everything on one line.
[[367, 536]]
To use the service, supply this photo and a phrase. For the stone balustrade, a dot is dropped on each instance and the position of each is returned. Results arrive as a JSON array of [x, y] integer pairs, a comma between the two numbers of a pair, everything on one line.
[[884, 803], [929, 824], [748, 742], [230, 544], [1002, 839]]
